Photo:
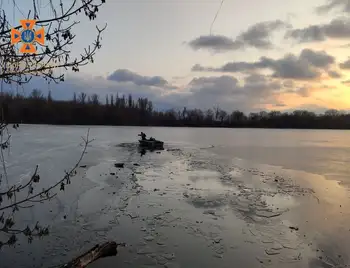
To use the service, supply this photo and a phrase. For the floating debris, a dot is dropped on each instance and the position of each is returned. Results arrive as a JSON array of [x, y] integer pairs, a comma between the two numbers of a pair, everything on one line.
[[132, 216], [119, 165], [294, 228], [209, 211]]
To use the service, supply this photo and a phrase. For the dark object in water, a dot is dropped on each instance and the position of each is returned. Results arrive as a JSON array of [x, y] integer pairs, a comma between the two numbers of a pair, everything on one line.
[[119, 165], [142, 151], [294, 228], [97, 252], [151, 144]]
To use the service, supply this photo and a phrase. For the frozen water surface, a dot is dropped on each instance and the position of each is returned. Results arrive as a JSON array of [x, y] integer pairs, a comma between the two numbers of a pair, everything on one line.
[[212, 198]]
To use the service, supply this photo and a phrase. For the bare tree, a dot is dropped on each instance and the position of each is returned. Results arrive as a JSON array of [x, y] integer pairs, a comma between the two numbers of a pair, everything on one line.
[[95, 99], [74, 98], [49, 97], [36, 94], [112, 100], [20, 68], [82, 97]]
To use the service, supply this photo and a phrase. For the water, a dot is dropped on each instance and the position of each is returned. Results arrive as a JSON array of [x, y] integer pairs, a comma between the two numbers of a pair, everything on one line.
[[212, 198]]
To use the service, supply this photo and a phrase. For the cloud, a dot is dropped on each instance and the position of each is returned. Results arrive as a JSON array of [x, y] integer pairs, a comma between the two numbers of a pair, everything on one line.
[[337, 29], [334, 74], [318, 59], [342, 5], [216, 43], [253, 93], [345, 65], [303, 91], [80, 82], [123, 75], [278, 104], [307, 66], [231, 67], [229, 93], [300, 90], [318, 109], [345, 46], [256, 36]]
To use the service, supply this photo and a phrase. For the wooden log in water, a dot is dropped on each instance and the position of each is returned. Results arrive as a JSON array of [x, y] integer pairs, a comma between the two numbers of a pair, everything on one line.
[[99, 251]]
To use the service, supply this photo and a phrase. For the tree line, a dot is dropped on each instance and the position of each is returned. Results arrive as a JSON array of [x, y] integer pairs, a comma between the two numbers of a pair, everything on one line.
[[123, 110]]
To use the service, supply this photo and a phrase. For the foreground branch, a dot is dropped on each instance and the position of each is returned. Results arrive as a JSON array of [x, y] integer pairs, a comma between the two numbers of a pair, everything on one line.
[[99, 251]]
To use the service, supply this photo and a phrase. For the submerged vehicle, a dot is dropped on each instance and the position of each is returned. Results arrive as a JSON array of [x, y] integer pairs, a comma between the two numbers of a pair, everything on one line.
[[150, 143]]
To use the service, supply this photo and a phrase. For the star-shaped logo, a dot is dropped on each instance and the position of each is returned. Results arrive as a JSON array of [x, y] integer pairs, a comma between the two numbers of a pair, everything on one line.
[[28, 36]]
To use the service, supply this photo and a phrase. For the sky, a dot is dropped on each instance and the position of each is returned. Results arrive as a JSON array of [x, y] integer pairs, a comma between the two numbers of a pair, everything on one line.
[[247, 55]]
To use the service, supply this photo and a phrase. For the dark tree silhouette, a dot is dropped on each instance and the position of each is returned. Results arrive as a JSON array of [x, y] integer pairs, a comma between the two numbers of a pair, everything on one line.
[[118, 110]]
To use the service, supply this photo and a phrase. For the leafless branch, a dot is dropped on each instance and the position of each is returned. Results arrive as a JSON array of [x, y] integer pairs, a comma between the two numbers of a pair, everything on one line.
[[21, 68]]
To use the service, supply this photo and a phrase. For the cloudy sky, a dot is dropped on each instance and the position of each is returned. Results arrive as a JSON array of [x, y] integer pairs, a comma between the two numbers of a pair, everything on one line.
[[256, 55]]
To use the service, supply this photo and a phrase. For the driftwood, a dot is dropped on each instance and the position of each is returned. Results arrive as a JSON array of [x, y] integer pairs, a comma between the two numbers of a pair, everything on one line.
[[99, 251]]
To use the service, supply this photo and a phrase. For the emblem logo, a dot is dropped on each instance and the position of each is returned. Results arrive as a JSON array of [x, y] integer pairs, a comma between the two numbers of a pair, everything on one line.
[[28, 36]]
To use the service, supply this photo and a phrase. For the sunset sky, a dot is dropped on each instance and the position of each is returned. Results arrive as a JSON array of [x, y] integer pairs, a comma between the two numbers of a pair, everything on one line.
[[257, 55]]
